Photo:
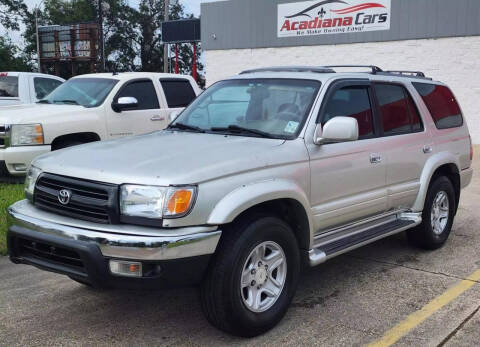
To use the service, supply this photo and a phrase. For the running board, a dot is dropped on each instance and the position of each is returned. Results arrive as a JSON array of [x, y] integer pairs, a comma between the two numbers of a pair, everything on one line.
[[327, 250]]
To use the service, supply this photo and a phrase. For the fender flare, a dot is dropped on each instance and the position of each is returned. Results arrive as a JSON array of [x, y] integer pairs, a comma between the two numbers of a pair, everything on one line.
[[247, 196], [432, 164]]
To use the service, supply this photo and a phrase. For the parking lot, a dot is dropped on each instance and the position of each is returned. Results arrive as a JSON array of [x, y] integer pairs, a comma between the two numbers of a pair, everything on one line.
[[355, 299]]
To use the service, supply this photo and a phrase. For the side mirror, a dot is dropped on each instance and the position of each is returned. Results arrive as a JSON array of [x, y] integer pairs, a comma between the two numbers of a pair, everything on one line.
[[338, 129], [124, 103], [173, 115]]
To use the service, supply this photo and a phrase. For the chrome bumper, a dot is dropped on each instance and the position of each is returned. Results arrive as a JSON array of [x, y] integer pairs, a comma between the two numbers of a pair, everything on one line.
[[172, 244]]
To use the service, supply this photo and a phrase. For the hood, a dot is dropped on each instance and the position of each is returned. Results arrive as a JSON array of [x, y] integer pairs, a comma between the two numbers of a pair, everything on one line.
[[35, 113], [163, 158]]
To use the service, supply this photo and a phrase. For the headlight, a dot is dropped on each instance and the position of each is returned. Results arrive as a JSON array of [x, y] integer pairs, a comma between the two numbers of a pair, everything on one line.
[[30, 180], [26, 134], [156, 202]]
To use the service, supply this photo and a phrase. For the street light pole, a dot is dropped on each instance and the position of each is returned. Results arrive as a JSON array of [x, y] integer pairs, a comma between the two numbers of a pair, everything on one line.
[[100, 29], [165, 46], [38, 38]]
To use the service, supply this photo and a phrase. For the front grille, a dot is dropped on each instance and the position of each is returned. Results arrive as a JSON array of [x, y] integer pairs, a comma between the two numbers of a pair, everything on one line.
[[52, 254], [3, 136], [92, 201]]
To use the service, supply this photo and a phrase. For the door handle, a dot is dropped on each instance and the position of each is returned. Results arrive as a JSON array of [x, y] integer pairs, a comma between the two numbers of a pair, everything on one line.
[[157, 118], [375, 158], [427, 149]]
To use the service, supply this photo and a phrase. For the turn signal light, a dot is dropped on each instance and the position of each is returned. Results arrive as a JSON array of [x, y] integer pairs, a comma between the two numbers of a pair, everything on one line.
[[126, 268], [179, 202]]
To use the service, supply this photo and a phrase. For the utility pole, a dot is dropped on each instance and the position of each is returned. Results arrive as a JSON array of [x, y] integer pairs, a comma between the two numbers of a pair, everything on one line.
[[100, 34], [165, 46], [38, 37]]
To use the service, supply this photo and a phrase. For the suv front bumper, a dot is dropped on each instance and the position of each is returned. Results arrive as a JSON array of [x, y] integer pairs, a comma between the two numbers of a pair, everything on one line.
[[177, 257]]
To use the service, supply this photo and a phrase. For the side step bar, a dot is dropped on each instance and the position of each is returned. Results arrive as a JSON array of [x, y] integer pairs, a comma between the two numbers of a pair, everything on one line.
[[330, 249]]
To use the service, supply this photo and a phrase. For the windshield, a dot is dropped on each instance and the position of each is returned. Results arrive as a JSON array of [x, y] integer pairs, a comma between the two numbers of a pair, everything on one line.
[[87, 92], [275, 108]]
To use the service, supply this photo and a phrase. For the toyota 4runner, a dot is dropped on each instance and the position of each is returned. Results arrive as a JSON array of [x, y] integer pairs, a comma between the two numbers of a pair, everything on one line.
[[263, 172]]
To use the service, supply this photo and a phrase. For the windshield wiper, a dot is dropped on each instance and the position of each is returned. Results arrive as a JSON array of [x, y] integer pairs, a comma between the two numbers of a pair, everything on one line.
[[43, 101], [239, 129], [183, 126], [67, 102]]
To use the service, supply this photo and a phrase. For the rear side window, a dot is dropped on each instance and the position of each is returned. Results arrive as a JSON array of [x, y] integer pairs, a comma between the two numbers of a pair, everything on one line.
[[352, 102], [398, 112], [144, 92], [442, 105], [8, 87], [44, 86], [179, 93]]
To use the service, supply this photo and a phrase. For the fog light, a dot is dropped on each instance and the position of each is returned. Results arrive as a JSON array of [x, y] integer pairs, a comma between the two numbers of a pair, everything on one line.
[[126, 268], [20, 167]]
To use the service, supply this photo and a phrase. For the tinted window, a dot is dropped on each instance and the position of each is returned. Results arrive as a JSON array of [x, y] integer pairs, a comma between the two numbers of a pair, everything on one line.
[[417, 124], [442, 105], [393, 109], [179, 93], [44, 86], [144, 92], [352, 102], [8, 86]]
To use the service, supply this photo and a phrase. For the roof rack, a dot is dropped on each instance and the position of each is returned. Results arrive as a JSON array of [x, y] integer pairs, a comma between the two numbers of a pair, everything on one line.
[[405, 72], [375, 69], [316, 69], [331, 69]]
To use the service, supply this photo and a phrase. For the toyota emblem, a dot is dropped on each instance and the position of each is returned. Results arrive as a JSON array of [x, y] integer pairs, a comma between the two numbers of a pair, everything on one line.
[[64, 196]]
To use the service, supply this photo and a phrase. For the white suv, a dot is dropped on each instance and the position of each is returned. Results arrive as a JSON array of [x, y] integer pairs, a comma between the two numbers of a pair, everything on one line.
[[90, 108], [262, 172]]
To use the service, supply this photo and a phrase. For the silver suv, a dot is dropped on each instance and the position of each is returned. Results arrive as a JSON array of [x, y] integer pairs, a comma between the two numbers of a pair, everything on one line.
[[263, 172]]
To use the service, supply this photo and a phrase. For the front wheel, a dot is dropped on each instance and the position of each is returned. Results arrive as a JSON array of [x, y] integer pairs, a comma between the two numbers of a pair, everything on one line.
[[437, 217], [253, 276]]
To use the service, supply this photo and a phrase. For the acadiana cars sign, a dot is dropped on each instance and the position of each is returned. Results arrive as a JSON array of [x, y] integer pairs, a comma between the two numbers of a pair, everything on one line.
[[309, 18]]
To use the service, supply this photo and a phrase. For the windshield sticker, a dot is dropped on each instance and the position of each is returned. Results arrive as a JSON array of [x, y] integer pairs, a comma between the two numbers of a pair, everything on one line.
[[291, 127]]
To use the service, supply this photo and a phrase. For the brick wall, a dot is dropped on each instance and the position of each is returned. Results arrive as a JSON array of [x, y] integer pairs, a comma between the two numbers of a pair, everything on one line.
[[455, 61]]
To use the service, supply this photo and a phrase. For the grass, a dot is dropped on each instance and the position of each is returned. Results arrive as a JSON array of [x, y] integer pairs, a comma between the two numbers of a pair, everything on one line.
[[9, 193]]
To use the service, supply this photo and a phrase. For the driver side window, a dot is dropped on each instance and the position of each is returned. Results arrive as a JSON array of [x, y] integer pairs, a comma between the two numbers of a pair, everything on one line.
[[144, 92], [352, 101]]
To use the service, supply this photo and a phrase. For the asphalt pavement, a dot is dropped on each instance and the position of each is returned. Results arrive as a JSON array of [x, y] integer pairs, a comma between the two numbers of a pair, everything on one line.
[[386, 291]]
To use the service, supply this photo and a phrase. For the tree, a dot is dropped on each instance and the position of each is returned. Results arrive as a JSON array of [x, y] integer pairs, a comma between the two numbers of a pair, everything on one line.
[[10, 59], [11, 13], [133, 40]]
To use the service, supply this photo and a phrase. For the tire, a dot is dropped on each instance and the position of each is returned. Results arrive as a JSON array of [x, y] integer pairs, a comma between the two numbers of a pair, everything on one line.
[[433, 236], [224, 297]]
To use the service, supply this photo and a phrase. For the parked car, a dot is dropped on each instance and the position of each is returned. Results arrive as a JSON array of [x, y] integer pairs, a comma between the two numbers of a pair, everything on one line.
[[90, 108], [263, 172], [26, 87]]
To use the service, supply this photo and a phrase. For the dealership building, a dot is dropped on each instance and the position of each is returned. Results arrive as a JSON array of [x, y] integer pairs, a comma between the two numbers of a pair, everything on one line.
[[438, 37]]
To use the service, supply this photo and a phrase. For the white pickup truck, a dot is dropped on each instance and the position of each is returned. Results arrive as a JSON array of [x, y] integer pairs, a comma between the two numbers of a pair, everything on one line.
[[90, 108], [26, 87]]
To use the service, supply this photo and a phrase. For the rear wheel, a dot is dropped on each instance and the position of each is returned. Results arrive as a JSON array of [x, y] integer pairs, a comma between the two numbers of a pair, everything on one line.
[[253, 277], [437, 216]]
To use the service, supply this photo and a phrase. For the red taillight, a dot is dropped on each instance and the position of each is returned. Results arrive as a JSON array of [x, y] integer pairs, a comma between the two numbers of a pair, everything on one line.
[[471, 149]]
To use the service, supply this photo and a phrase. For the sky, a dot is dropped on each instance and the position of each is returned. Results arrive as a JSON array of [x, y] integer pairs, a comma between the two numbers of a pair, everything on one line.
[[191, 6]]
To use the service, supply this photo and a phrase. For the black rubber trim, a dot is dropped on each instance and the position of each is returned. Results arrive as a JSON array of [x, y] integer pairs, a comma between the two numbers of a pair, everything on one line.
[[174, 273], [350, 241]]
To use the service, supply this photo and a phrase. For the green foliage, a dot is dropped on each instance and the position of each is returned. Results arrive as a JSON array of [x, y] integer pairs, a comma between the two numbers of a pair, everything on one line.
[[11, 13], [11, 59], [133, 40], [9, 193]]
